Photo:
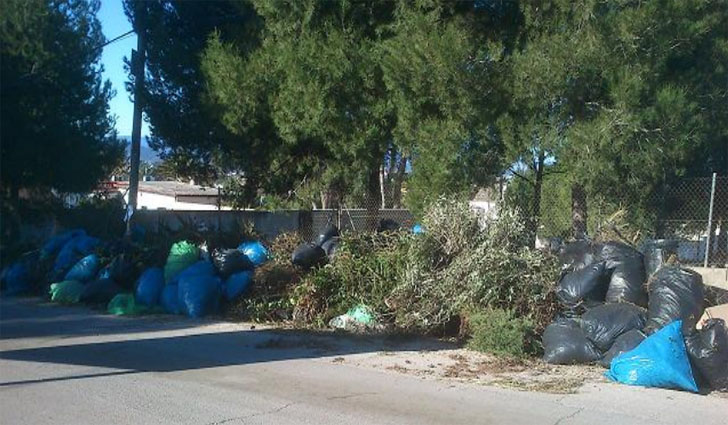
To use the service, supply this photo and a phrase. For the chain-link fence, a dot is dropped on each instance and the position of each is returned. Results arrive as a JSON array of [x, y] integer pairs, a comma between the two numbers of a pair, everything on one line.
[[679, 212], [692, 212], [314, 222]]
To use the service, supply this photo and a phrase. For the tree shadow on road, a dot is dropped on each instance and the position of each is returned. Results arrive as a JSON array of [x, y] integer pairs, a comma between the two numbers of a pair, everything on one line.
[[35, 318], [200, 348]]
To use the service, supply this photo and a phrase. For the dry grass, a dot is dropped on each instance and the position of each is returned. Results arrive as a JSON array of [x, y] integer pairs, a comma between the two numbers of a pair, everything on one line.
[[521, 374]]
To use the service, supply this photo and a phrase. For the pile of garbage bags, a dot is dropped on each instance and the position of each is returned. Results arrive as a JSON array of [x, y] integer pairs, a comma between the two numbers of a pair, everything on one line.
[[313, 254], [191, 284], [636, 315], [83, 269]]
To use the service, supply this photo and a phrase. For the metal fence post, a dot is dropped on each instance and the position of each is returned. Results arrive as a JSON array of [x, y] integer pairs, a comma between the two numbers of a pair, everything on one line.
[[710, 221]]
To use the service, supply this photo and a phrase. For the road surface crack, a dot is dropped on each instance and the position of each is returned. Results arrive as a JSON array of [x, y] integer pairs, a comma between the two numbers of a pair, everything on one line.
[[254, 415], [569, 416], [342, 397]]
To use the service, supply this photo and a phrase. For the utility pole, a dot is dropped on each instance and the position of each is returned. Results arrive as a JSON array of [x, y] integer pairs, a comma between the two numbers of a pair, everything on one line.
[[138, 57]]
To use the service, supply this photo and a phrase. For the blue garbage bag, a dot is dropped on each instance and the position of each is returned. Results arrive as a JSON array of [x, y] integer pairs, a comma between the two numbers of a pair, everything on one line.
[[417, 229], [85, 269], [170, 299], [255, 251], [67, 255], [86, 244], [661, 361], [199, 295], [55, 243], [17, 279], [150, 286], [73, 250], [200, 268], [104, 273], [236, 284]]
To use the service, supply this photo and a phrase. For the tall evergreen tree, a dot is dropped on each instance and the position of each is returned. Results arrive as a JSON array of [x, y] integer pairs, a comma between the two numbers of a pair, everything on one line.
[[621, 95], [183, 128], [355, 89], [56, 130]]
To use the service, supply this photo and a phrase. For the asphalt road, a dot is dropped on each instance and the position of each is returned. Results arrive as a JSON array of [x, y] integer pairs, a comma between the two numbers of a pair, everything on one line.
[[61, 365]]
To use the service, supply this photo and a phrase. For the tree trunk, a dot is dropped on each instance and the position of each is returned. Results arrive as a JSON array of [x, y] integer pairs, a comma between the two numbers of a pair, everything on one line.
[[536, 205], [387, 178], [373, 200], [324, 199], [578, 211], [383, 185], [397, 182]]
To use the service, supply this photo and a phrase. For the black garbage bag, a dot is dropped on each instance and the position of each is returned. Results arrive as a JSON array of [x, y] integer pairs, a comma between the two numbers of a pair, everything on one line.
[[577, 255], [708, 352], [628, 341], [628, 273], [615, 251], [627, 283], [565, 343], [308, 255], [329, 233], [603, 324], [121, 270], [100, 291], [388, 225], [587, 285], [330, 247], [230, 261], [675, 293], [656, 253]]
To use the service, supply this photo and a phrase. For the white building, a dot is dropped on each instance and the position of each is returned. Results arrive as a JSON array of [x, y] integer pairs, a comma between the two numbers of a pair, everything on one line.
[[173, 195], [486, 201]]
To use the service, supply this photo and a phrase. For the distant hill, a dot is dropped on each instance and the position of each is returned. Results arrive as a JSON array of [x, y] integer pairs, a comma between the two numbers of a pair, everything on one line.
[[147, 154]]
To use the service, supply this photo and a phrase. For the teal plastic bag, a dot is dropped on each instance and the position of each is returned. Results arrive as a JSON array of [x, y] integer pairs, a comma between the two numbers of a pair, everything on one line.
[[181, 255], [126, 305], [255, 251], [85, 269], [660, 361], [66, 292]]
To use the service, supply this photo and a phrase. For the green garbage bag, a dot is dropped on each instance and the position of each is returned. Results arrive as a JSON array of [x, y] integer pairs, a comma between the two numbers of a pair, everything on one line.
[[358, 318], [66, 292], [182, 255], [361, 314], [126, 305]]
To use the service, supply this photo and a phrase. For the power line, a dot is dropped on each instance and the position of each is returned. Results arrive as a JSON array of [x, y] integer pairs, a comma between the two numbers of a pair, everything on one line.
[[117, 38]]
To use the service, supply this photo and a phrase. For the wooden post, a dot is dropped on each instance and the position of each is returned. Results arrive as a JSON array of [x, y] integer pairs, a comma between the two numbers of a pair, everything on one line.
[[138, 58]]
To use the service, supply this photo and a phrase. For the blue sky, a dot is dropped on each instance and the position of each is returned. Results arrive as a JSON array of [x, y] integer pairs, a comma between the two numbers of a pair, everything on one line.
[[115, 23]]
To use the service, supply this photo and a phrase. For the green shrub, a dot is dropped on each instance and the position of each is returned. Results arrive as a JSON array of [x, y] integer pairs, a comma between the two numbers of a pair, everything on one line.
[[500, 332], [366, 270], [420, 283], [490, 266]]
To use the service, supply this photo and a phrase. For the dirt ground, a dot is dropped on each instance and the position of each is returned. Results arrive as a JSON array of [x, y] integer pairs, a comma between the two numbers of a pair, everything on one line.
[[442, 360]]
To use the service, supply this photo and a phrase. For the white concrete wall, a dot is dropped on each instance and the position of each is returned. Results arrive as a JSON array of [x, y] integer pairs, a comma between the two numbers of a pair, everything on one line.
[[154, 201]]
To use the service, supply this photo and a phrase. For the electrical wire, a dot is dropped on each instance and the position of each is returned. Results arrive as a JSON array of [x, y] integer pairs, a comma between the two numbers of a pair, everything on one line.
[[115, 39]]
